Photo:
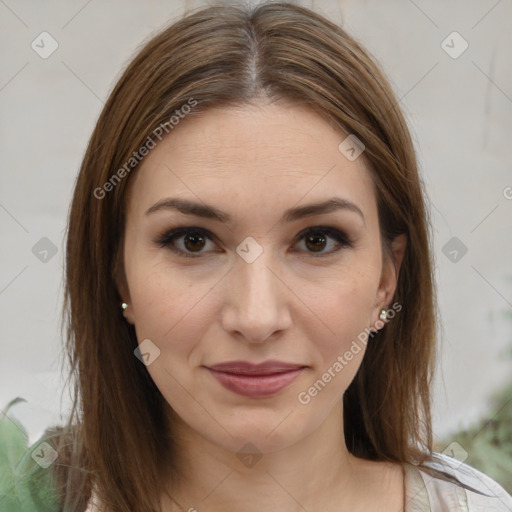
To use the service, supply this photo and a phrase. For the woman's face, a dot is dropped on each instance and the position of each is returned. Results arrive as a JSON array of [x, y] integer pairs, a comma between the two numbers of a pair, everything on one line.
[[256, 273]]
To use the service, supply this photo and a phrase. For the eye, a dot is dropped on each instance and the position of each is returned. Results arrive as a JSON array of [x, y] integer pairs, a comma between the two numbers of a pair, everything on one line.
[[190, 241], [187, 242], [317, 239]]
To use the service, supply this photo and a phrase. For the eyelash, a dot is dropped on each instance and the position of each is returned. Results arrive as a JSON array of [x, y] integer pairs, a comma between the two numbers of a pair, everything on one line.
[[166, 239]]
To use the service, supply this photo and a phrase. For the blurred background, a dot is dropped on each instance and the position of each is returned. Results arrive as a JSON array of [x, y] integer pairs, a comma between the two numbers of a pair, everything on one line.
[[449, 63]]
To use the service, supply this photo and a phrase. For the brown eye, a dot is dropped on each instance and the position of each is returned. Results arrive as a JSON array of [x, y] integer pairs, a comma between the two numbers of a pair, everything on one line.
[[317, 239], [188, 242], [194, 242], [316, 242]]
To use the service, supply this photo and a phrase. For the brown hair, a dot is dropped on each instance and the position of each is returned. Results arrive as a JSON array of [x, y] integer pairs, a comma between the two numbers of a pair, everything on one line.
[[117, 437]]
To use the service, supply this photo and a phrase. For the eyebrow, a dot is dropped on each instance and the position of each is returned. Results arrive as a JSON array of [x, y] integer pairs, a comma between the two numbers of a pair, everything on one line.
[[210, 212]]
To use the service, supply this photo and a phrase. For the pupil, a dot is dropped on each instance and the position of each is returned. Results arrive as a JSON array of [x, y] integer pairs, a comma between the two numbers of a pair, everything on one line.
[[197, 238], [316, 239]]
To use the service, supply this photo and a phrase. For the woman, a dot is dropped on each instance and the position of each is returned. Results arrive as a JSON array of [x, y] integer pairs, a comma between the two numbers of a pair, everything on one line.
[[250, 304]]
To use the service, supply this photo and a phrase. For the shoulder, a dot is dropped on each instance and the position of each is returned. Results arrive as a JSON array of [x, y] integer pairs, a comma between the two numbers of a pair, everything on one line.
[[446, 484]]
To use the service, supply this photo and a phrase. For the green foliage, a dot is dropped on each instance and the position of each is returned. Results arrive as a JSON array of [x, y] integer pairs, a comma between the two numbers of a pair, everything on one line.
[[25, 485], [489, 443]]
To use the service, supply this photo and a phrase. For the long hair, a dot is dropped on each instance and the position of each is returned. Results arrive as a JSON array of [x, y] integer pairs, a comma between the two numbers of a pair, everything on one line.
[[117, 437]]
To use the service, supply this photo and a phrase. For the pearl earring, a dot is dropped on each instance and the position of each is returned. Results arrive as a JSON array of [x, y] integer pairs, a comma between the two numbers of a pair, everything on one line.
[[383, 314], [124, 305]]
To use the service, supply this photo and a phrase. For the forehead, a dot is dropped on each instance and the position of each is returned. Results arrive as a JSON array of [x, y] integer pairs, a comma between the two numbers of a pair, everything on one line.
[[263, 156]]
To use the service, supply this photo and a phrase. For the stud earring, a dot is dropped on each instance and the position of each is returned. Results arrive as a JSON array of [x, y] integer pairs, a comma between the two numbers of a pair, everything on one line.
[[383, 314], [124, 305]]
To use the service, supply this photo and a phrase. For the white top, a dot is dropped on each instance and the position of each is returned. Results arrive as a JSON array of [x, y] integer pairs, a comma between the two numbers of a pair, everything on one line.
[[441, 493], [425, 492]]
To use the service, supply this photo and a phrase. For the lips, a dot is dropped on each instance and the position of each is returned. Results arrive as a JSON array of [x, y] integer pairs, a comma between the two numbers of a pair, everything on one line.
[[246, 368], [256, 380]]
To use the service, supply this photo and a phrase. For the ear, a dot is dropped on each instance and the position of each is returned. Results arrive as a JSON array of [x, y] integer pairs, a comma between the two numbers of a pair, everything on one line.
[[389, 276], [128, 311], [124, 292]]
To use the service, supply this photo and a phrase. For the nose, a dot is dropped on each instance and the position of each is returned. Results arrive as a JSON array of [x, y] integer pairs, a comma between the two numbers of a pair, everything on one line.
[[256, 301]]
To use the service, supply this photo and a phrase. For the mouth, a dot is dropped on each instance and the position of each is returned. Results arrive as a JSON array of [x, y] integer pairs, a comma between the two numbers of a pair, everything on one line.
[[256, 380]]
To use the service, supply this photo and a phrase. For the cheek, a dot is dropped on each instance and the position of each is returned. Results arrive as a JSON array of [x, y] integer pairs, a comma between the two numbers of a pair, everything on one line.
[[171, 312], [161, 294], [167, 304], [343, 309]]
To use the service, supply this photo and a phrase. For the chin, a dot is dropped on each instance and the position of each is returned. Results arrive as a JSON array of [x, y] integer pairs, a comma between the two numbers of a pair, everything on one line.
[[268, 431]]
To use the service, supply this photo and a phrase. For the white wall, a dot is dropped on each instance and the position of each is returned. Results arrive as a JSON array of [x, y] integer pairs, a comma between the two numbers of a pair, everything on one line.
[[460, 111]]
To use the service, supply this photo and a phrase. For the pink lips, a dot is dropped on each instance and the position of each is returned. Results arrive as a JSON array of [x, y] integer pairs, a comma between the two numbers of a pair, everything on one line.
[[255, 380]]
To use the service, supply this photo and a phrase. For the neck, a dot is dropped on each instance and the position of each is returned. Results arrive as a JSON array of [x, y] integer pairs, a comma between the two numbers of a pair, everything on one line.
[[315, 473]]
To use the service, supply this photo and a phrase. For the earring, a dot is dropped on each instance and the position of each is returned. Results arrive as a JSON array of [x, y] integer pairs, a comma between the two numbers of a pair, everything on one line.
[[124, 305], [383, 314]]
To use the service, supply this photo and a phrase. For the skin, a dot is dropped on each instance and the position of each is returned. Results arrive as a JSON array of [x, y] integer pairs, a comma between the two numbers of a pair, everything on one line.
[[288, 304]]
